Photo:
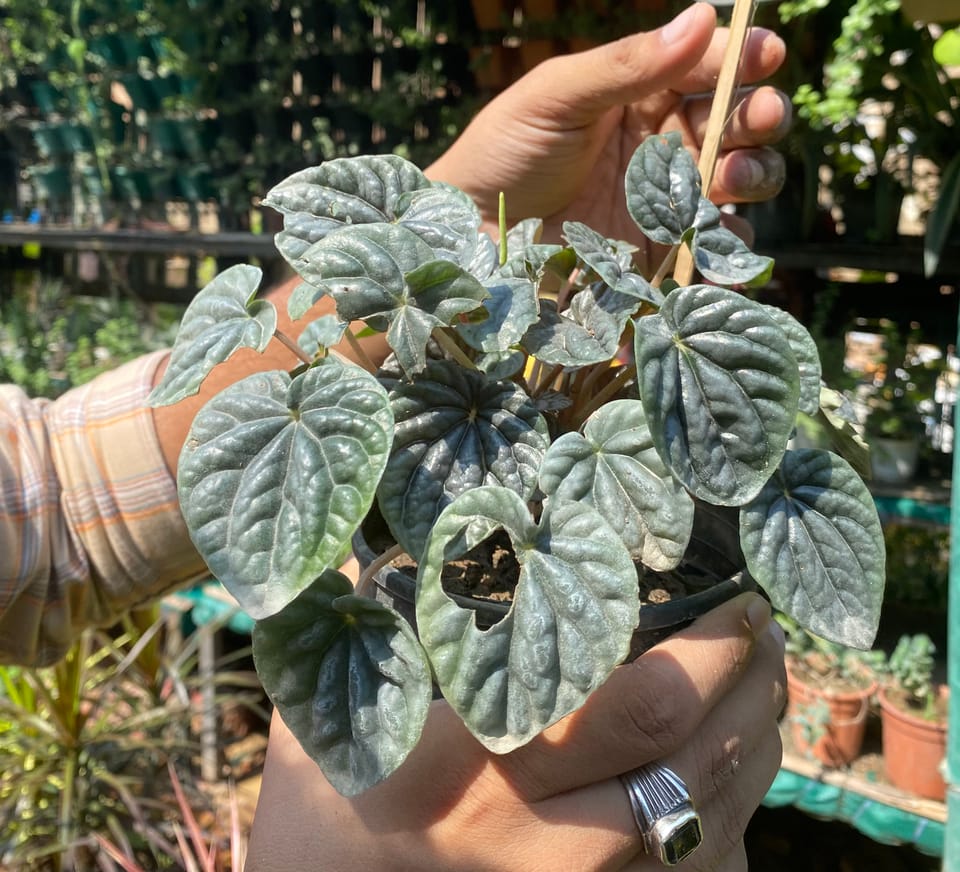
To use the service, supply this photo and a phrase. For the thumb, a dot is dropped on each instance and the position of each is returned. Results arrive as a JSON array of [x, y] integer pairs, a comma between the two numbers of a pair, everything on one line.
[[588, 83]]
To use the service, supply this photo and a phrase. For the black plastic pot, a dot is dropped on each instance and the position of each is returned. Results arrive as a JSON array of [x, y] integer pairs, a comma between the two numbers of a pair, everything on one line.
[[713, 563]]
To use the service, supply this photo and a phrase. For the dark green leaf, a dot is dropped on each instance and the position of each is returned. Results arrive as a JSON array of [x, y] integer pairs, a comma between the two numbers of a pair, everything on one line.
[[221, 318], [582, 335], [721, 255], [349, 678], [455, 430], [720, 386], [573, 613], [663, 188], [324, 332], [511, 308], [812, 540], [277, 474], [808, 357], [614, 467]]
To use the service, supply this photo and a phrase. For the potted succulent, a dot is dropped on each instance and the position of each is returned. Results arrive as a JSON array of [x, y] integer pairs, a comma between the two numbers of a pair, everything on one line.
[[830, 688], [546, 394], [913, 717]]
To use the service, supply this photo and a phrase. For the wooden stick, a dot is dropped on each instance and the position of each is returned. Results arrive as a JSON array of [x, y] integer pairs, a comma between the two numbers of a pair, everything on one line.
[[743, 11]]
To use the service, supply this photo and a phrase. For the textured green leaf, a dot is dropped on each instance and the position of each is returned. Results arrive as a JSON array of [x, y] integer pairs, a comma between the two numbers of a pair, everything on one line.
[[447, 220], [387, 276], [721, 255], [359, 190], [349, 679], [663, 188], [573, 613], [614, 467], [812, 540], [455, 430], [582, 335], [277, 474], [720, 387], [808, 357], [221, 318], [324, 332], [511, 308]]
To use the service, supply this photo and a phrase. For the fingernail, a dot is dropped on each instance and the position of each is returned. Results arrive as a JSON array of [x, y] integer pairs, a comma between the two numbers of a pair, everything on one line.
[[758, 615], [674, 30]]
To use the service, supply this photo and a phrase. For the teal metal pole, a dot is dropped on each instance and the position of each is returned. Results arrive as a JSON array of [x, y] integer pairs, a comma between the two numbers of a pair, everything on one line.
[[951, 848]]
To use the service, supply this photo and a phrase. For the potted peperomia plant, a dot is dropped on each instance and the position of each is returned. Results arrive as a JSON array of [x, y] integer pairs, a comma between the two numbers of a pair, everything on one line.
[[546, 394]]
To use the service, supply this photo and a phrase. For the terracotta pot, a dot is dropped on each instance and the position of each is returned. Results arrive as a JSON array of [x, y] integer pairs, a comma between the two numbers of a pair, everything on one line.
[[840, 740], [913, 750]]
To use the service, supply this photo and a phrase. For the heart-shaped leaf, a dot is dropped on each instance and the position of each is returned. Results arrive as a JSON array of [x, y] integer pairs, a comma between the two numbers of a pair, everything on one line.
[[582, 335], [345, 191], [720, 386], [455, 429], [324, 332], [511, 308], [812, 540], [663, 188], [614, 467], [721, 255], [221, 318], [573, 613], [277, 474], [349, 679], [386, 275], [807, 355], [447, 220]]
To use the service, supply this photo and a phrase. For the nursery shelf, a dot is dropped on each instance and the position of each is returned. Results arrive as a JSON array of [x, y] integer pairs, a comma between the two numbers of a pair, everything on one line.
[[883, 813]]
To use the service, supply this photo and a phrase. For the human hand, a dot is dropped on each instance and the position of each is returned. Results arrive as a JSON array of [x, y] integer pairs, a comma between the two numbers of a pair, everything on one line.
[[705, 702], [558, 141]]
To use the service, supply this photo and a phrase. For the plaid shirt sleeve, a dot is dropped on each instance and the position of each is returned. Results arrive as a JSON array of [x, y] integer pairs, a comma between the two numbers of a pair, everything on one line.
[[90, 526]]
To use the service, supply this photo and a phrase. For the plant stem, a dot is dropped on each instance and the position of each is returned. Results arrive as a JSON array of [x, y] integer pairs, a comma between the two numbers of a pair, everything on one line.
[[365, 581], [362, 357], [743, 11], [286, 341], [546, 381], [502, 220], [447, 343], [606, 392]]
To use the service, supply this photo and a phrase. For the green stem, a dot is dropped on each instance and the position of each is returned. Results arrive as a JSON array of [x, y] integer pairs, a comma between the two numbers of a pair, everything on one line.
[[448, 344], [502, 220]]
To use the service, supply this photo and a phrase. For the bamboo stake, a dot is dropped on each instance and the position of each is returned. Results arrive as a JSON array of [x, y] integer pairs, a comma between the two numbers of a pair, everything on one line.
[[743, 11]]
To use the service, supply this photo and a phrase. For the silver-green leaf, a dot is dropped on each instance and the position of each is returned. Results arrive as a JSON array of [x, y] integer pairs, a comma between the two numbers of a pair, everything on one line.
[[663, 188], [615, 468], [349, 678], [277, 474], [720, 386], [573, 613], [221, 318], [812, 540], [808, 357]]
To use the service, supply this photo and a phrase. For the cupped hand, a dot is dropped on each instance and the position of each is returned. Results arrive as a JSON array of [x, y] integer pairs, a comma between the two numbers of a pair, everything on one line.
[[705, 702], [557, 142]]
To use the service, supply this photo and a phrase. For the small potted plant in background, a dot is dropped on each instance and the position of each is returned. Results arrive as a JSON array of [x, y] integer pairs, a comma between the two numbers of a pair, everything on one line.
[[830, 688], [913, 715], [896, 400]]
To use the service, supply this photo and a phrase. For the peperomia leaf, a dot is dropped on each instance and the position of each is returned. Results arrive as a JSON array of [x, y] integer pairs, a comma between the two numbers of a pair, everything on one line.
[[455, 429], [323, 332], [349, 679], [808, 357], [386, 275], [720, 386], [614, 467], [221, 318], [446, 219], [277, 474], [663, 188], [812, 540], [580, 336], [510, 309], [345, 191], [721, 255], [573, 613]]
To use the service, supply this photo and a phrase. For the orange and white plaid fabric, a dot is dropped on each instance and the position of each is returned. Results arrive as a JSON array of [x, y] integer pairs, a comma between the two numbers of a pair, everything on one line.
[[89, 521]]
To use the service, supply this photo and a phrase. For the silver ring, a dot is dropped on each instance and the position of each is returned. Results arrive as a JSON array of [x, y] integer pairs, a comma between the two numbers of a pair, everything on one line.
[[664, 812]]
